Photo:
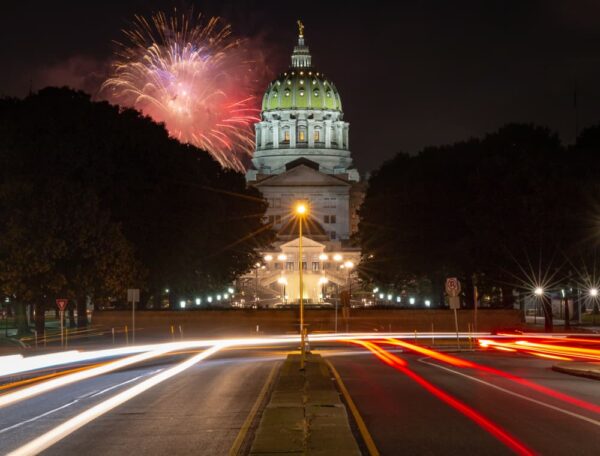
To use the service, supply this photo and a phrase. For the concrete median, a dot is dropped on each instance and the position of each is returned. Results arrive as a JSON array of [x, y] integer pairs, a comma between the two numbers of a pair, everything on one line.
[[305, 414]]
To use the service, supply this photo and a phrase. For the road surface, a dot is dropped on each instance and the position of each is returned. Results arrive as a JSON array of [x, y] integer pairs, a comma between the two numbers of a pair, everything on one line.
[[415, 409], [403, 417]]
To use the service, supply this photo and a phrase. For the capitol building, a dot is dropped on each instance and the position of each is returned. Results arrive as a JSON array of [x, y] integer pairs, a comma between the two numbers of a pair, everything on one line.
[[302, 156]]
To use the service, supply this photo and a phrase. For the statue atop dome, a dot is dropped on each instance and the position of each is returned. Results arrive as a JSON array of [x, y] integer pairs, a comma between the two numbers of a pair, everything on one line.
[[300, 28]]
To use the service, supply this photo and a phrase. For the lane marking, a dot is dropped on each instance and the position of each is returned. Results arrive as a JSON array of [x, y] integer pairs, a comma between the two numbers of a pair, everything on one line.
[[61, 431], [35, 418], [512, 393], [362, 427], [237, 443], [85, 396], [110, 388]]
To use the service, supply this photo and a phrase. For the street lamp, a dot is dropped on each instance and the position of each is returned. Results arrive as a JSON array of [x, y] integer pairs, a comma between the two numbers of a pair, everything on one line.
[[539, 292], [593, 292], [301, 211], [283, 282]]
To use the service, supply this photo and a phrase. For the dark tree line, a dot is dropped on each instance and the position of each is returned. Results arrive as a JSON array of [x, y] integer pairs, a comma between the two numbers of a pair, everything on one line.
[[95, 199], [508, 210]]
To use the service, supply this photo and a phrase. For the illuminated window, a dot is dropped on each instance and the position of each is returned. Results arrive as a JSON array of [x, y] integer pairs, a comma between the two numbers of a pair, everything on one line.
[[286, 136], [317, 135], [301, 136]]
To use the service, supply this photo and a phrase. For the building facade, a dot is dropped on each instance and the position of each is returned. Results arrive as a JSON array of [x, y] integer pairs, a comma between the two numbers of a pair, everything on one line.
[[303, 155]]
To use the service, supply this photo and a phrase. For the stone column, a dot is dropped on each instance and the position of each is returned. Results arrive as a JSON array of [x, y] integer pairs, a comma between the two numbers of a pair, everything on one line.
[[275, 124]]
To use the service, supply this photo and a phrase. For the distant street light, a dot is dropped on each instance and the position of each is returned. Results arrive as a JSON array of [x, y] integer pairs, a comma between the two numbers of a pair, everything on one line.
[[283, 282], [593, 292], [539, 291]]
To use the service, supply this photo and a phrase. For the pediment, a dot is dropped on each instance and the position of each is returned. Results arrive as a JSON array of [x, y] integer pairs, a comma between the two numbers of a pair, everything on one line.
[[302, 175], [306, 243]]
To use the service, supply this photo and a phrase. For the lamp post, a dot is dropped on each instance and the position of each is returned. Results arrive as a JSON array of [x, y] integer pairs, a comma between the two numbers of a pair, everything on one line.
[[301, 211], [283, 282]]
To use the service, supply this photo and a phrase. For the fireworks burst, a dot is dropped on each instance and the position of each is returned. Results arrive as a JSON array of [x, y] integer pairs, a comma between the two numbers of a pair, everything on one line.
[[193, 76]]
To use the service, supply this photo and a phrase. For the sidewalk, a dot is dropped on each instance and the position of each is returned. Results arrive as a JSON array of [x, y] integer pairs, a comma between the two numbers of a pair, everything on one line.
[[591, 370], [305, 414]]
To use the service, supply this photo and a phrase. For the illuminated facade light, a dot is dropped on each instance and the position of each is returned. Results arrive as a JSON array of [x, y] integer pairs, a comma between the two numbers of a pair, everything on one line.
[[209, 299], [268, 257], [182, 304], [323, 257], [198, 301], [427, 303], [411, 300], [337, 257], [230, 290], [282, 257]]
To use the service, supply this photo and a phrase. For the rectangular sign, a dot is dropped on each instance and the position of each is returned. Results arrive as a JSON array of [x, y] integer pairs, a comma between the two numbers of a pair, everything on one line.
[[454, 302], [133, 295]]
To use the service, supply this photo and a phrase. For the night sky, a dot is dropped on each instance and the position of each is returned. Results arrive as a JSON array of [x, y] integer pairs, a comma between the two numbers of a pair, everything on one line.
[[410, 73]]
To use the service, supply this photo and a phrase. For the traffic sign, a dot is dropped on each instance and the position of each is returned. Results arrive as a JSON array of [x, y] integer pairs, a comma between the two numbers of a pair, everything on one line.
[[454, 302], [133, 295], [61, 304], [452, 286]]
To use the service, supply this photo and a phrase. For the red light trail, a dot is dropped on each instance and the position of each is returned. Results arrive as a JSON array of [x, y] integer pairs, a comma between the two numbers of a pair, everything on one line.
[[401, 365]]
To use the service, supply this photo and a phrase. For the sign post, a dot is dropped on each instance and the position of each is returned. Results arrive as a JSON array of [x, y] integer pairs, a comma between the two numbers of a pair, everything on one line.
[[62, 305], [453, 290], [133, 296]]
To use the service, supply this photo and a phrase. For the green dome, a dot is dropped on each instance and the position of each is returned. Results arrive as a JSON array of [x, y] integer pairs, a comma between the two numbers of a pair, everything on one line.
[[302, 89]]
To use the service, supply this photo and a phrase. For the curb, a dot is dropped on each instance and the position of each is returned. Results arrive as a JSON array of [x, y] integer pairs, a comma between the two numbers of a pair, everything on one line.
[[587, 370]]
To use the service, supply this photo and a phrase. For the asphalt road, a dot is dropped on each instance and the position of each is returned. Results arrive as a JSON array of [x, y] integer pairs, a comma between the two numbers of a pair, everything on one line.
[[404, 418], [199, 411]]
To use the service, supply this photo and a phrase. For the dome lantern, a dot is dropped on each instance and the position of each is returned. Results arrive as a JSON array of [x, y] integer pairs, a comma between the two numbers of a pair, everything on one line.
[[301, 56]]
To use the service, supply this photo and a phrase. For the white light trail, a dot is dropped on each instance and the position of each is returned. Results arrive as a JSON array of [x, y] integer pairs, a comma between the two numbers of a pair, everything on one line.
[[58, 433], [25, 393]]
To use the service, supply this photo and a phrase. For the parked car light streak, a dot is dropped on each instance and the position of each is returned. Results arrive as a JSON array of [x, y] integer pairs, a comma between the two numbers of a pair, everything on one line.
[[399, 364], [459, 362], [61, 431]]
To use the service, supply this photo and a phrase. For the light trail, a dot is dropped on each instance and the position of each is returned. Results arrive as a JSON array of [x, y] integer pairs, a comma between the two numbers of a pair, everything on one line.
[[459, 362], [399, 364], [26, 393], [525, 346], [48, 439]]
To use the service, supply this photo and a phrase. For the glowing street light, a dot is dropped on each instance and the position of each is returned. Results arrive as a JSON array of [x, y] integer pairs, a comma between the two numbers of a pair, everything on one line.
[[282, 257], [593, 292], [268, 258], [539, 291], [337, 257], [323, 257]]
